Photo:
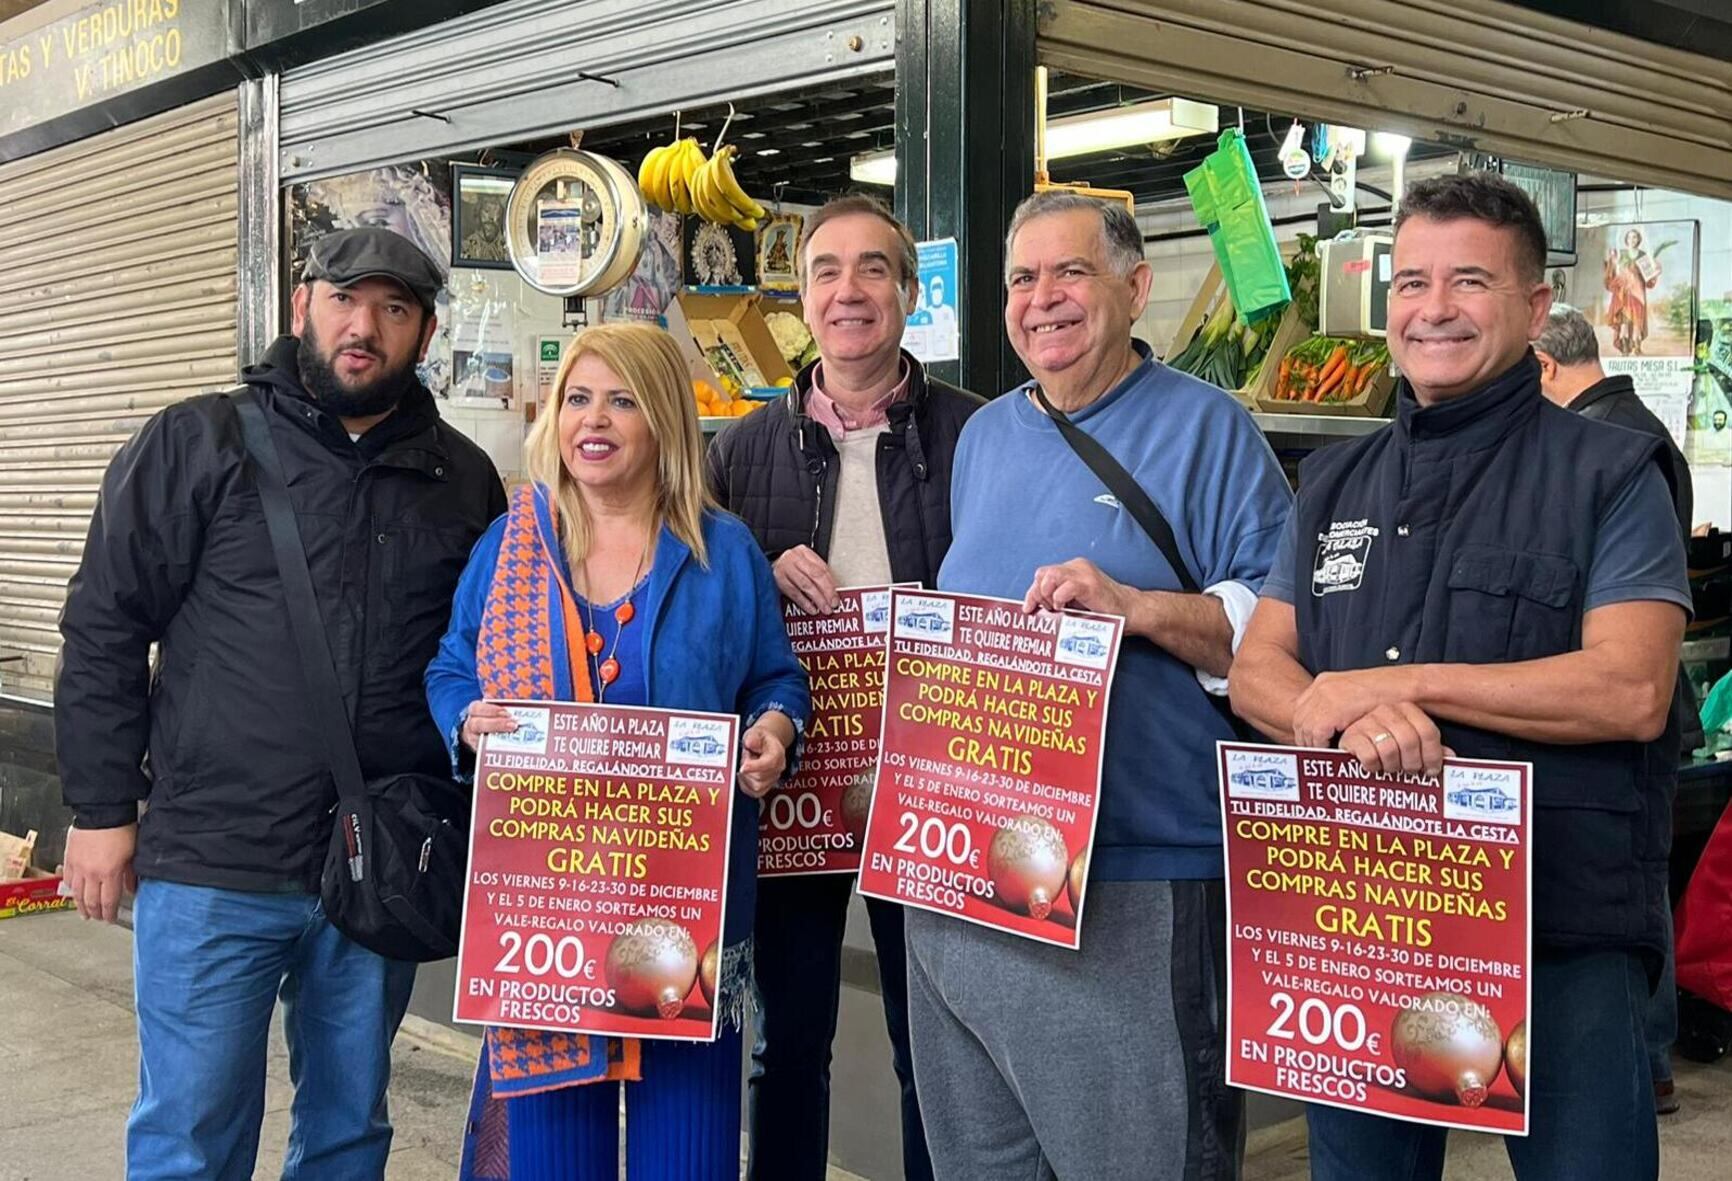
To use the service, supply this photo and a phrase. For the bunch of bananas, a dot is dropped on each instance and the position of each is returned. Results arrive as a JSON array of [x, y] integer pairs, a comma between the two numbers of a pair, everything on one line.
[[678, 178]]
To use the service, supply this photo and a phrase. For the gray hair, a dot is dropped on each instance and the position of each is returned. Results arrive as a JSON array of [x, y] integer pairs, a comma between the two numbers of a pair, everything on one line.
[[1568, 338], [1120, 235]]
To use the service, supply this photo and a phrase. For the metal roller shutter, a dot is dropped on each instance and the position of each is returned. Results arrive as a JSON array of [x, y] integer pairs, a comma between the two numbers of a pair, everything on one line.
[[1476, 74], [516, 71], [117, 298]]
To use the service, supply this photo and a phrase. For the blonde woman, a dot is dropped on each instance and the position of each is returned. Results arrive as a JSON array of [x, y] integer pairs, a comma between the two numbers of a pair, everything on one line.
[[634, 590]]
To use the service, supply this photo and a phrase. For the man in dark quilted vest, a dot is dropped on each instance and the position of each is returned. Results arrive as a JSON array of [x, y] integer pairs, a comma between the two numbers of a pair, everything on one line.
[[1513, 588], [845, 482]]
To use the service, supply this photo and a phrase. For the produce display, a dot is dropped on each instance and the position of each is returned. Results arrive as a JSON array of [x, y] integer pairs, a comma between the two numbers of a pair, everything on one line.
[[1326, 369], [1228, 352], [679, 178], [793, 339], [1225, 351], [727, 403]]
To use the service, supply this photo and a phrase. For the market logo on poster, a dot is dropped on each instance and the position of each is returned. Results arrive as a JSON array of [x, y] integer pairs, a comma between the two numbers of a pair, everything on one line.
[[1482, 794], [921, 618], [1084, 642], [875, 612], [698, 742], [1342, 553], [1262, 775], [530, 737]]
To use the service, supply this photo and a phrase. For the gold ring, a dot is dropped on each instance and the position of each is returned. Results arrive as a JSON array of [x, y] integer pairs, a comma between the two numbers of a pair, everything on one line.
[[1379, 739]]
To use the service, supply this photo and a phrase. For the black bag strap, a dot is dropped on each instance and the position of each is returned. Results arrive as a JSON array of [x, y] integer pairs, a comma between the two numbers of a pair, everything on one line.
[[1112, 473], [304, 620], [1120, 483]]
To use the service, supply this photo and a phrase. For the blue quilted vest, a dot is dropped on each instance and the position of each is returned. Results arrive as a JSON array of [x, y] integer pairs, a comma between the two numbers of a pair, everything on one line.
[[1463, 533]]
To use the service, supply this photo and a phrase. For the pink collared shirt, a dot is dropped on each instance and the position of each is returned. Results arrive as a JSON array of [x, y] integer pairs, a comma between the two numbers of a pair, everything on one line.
[[839, 420]]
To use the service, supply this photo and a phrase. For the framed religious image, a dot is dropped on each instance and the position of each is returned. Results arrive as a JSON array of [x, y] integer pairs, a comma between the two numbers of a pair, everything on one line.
[[778, 244], [478, 216]]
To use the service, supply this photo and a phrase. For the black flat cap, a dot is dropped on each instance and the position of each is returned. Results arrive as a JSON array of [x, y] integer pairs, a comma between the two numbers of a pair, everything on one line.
[[346, 257]]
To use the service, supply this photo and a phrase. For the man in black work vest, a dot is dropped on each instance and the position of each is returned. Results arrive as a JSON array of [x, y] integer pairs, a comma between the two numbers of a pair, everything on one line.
[[1518, 592]]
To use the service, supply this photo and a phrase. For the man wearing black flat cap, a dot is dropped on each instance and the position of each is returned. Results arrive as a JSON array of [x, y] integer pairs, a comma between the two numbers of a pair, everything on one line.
[[202, 782]]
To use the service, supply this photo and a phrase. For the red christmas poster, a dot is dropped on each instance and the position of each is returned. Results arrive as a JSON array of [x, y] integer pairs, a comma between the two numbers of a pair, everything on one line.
[[598, 864], [985, 799], [1379, 938], [813, 823]]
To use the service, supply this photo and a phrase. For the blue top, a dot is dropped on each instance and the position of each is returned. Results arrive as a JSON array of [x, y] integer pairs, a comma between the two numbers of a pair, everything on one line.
[[706, 638], [1021, 499], [630, 687], [1632, 559]]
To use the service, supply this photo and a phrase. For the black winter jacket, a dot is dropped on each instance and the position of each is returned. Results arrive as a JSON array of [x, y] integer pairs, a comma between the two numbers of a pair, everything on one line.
[[218, 738], [777, 471], [1614, 400]]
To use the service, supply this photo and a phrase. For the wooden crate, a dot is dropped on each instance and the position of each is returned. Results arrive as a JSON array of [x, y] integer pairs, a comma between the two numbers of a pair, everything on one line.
[[1371, 402], [1289, 332]]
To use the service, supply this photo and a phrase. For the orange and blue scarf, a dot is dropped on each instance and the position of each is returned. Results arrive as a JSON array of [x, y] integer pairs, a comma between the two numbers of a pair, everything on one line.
[[515, 660]]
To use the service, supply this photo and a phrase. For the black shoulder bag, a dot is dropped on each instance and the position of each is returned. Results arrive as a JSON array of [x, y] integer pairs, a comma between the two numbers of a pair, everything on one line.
[[1120, 483], [393, 875]]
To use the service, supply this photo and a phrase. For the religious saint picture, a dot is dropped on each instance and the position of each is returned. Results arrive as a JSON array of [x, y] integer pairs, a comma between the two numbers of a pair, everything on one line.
[[478, 227]]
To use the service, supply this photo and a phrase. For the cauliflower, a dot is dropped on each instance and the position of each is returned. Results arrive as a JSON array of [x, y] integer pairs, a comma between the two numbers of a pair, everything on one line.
[[793, 338]]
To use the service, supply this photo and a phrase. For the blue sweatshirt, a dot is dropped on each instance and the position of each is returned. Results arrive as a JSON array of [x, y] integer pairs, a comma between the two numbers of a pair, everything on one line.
[[1021, 499]]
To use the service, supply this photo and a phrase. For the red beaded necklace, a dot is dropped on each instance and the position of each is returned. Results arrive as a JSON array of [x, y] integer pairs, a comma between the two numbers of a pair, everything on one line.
[[607, 672]]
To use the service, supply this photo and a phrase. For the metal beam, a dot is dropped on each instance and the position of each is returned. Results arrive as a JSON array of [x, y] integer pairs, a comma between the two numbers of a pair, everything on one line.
[[965, 156]]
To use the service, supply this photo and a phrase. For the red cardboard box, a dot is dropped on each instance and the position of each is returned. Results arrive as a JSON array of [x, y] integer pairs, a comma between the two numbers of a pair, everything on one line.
[[34, 893]]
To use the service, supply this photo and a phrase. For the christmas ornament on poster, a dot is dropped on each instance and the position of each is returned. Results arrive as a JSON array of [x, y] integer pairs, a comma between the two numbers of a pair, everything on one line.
[[708, 968], [1515, 1057], [652, 966], [1449, 1046], [575, 224], [1028, 864], [857, 805]]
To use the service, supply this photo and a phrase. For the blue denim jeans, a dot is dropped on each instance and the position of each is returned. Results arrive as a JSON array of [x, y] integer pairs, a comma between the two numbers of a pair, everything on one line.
[[208, 967], [1662, 1023], [1591, 1105]]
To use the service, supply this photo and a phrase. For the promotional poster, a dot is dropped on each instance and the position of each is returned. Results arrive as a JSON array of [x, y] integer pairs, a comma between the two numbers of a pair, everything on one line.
[[1379, 935], [598, 860], [814, 823], [990, 769]]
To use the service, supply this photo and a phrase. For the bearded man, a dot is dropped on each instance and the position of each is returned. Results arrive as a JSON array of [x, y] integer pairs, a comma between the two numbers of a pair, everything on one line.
[[218, 741]]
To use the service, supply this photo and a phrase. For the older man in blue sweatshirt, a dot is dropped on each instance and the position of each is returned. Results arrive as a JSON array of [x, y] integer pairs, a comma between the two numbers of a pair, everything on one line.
[[1103, 1063]]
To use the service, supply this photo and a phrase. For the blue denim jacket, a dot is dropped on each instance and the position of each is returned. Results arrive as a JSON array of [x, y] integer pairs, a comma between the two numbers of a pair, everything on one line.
[[714, 641]]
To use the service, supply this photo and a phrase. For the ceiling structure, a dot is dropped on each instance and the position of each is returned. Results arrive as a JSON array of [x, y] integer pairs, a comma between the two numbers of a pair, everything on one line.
[[801, 142]]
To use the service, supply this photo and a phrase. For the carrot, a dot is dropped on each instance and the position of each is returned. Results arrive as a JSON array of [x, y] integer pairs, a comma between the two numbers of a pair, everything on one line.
[[1334, 381], [1337, 360], [1286, 371]]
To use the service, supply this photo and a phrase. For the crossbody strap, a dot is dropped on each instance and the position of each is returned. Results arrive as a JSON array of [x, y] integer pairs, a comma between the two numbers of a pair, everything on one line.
[[304, 620], [1120, 483]]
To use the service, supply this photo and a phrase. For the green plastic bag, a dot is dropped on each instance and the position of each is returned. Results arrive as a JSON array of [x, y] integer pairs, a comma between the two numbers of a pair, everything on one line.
[[1228, 200], [1717, 718]]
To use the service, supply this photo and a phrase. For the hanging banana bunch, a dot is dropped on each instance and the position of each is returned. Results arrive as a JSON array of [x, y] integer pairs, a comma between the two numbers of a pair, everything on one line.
[[678, 178]]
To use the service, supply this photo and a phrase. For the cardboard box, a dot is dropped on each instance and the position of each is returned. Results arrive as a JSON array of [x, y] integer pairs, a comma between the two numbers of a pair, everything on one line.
[[1370, 402], [35, 893], [727, 331], [25, 889]]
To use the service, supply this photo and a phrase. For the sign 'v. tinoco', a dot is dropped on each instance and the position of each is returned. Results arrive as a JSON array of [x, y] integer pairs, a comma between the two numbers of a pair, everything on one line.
[[102, 51]]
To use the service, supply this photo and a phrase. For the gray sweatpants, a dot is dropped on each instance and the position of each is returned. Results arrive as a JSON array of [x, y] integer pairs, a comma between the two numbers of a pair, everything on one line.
[[1036, 1062]]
